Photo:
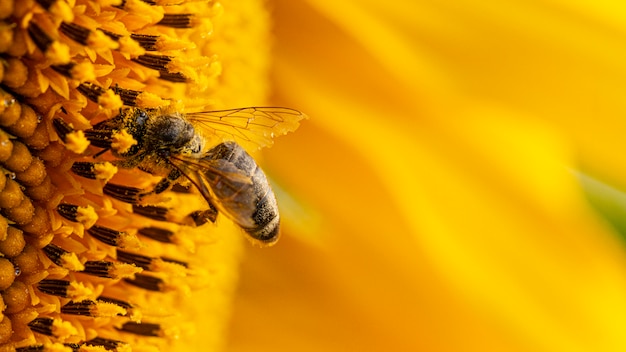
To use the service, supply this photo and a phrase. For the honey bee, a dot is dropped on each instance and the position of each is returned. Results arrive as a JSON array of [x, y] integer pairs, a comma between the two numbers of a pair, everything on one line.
[[173, 144]]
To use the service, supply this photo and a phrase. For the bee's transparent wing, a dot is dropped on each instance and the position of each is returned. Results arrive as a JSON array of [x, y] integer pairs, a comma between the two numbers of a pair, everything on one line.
[[222, 184], [251, 127]]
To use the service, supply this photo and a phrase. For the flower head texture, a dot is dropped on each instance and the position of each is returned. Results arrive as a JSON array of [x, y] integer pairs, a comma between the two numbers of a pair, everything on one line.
[[99, 250], [441, 188]]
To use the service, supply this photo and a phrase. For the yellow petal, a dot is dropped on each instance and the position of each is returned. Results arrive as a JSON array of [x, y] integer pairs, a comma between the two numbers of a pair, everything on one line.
[[439, 157]]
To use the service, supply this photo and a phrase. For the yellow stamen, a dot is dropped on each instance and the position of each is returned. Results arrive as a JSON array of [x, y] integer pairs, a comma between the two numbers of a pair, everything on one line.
[[128, 240], [105, 171], [58, 53], [130, 48], [105, 309], [123, 270], [63, 329], [70, 261], [86, 216], [77, 291], [62, 10], [83, 72], [76, 142], [110, 100], [150, 100], [100, 41]]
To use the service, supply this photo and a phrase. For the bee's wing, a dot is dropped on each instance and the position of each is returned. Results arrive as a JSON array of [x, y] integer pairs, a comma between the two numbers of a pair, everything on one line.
[[222, 184], [251, 127]]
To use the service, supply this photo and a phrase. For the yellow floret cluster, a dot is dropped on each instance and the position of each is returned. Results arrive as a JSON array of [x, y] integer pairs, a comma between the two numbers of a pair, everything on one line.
[[79, 269]]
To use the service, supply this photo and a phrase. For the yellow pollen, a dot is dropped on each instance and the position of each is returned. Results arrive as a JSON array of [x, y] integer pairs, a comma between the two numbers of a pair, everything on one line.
[[101, 41], [86, 216], [175, 269], [122, 141], [78, 292], [110, 100], [130, 48], [63, 329], [105, 171], [106, 309], [128, 240], [166, 43], [83, 72], [76, 142], [141, 14], [70, 261], [190, 68], [63, 10], [124, 270], [58, 53], [150, 100]]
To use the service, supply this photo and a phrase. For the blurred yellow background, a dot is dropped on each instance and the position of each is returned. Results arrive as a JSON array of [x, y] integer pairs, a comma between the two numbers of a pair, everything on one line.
[[434, 200]]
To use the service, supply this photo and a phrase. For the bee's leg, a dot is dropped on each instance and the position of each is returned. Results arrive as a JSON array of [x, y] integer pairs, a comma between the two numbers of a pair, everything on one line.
[[195, 218], [178, 188], [167, 182], [201, 217], [164, 184], [133, 195], [159, 213]]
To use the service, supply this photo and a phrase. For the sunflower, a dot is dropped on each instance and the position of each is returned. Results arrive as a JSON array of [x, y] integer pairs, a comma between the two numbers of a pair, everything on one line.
[[86, 263], [440, 192]]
